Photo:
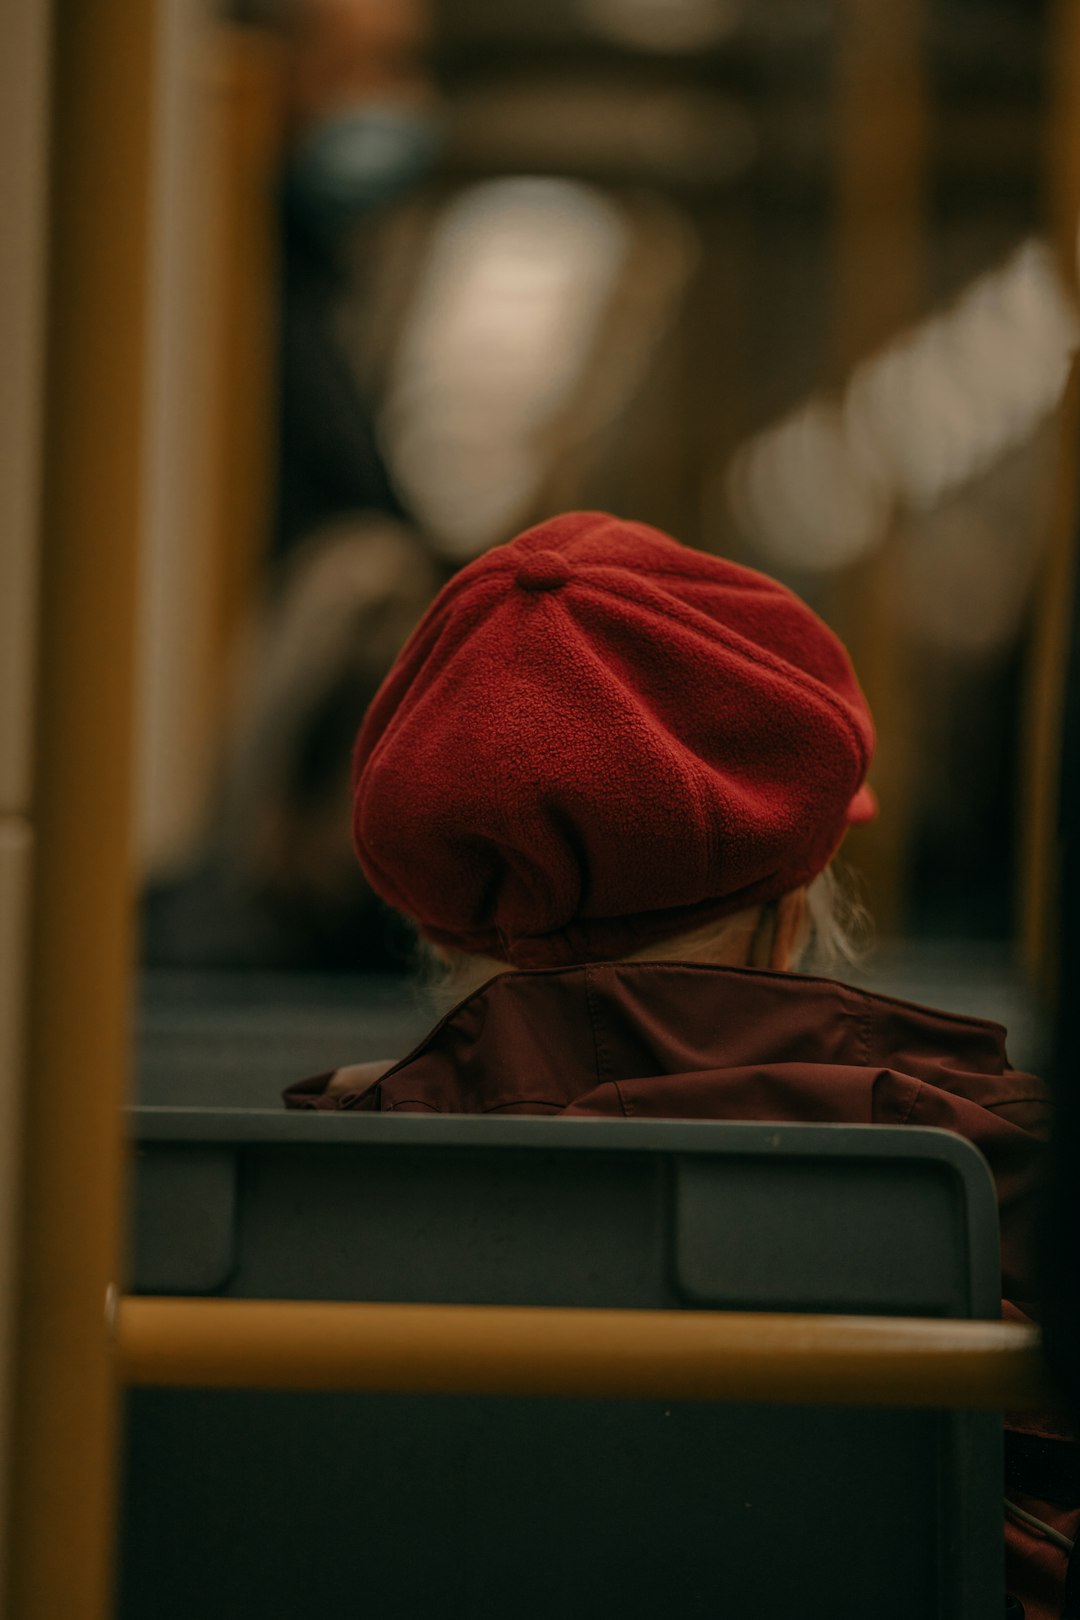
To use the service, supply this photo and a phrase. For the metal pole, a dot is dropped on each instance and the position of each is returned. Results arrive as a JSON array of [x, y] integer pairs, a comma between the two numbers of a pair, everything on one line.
[[880, 180], [62, 1452], [516, 1350], [1039, 866]]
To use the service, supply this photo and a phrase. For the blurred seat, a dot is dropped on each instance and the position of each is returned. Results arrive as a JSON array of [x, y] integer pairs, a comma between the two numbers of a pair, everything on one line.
[[285, 1505]]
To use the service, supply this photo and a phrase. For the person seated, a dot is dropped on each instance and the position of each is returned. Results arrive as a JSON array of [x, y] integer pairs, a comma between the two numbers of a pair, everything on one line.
[[606, 779]]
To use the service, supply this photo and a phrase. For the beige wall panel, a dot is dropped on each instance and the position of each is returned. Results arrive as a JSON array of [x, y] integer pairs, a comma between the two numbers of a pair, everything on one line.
[[175, 567], [216, 151], [23, 197], [15, 855]]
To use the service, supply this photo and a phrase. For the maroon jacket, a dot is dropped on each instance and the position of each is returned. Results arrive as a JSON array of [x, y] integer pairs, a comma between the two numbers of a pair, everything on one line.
[[659, 1040]]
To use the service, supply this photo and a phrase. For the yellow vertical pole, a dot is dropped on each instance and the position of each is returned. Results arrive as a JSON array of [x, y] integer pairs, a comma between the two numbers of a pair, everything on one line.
[[24, 101], [247, 84], [64, 1409], [1039, 866], [880, 244]]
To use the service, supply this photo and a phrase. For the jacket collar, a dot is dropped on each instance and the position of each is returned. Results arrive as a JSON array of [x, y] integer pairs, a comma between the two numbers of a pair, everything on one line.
[[544, 1037]]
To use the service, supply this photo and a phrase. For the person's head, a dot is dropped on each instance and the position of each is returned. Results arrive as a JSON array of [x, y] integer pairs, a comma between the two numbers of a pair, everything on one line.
[[362, 106], [599, 745]]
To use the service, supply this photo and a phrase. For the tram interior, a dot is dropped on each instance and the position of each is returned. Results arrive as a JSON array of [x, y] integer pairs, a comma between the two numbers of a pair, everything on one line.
[[794, 281], [780, 279]]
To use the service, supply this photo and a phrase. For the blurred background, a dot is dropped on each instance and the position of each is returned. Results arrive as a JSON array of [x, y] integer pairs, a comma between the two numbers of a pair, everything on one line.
[[791, 279]]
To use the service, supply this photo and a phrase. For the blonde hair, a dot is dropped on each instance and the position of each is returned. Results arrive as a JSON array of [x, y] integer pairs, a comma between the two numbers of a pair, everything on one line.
[[838, 937]]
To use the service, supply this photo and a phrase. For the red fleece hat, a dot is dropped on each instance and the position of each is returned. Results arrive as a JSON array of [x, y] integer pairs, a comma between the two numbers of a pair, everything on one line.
[[598, 738]]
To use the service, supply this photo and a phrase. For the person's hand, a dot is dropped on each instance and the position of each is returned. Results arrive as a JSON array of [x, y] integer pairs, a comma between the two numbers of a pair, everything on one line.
[[357, 1077]]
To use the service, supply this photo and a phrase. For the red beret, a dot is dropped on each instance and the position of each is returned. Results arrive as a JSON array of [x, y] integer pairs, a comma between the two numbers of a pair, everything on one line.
[[598, 738]]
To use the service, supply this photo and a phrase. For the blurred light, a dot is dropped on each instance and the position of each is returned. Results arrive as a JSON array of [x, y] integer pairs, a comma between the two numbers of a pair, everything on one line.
[[503, 325], [808, 450], [664, 25], [916, 421]]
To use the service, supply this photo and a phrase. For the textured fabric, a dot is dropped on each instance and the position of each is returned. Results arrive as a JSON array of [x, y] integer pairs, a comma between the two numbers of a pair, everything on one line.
[[597, 738], [662, 1040]]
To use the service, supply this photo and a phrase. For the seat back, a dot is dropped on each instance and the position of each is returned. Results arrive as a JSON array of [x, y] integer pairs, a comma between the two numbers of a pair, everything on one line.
[[398, 1506]]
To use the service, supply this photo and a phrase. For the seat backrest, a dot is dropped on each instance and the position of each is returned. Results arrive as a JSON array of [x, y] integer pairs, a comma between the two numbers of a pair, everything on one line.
[[399, 1506]]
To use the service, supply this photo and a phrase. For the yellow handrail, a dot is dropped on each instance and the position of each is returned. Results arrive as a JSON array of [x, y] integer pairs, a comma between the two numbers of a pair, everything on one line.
[[514, 1350], [60, 1457]]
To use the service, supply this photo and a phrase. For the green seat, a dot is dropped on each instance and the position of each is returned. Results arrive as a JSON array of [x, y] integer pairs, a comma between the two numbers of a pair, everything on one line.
[[284, 1505]]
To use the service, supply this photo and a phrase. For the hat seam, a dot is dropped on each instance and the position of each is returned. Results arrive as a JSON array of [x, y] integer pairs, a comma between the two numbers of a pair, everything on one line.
[[766, 660], [465, 631], [362, 788], [775, 586]]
